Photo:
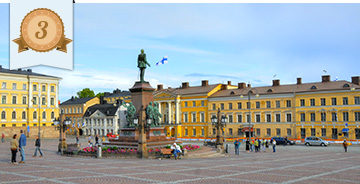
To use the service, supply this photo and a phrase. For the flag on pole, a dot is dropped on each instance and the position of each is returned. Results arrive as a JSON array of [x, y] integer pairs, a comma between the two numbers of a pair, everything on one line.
[[73, 125], [164, 60], [83, 124], [78, 124]]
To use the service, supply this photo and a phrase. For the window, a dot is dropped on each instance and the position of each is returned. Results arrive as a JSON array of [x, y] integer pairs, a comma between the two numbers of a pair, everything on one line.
[[230, 106], [323, 101], [202, 132], [44, 115], [3, 99], [258, 105], [248, 105], [213, 107], [268, 104], [52, 88], [257, 118], [357, 116], [240, 132], [52, 115], [202, 117], [323, 116], [185, 104], [34, 115], [277, 117], [34, 101], [277, 102], [24, 86], [194, 117], [248, 118], [185, 117], [258, 132], [52, 101], [323, 132], [313, 133], [288, 132], [312, 102], [230, 131], [288, 117], [222, 106], [239, 118], [34, 87], [70, 110], [230, 118], [345, 116], [4, 85], [302, 102], [186, 131], [13, 115], [268, 132], [23, 115], [312, 116], [24, 100], [43, 88], [3, 115], [288, 103], [43, 101], [302, 117], [14, 100], [202, 103], [357, 100], [333, 101], [345, 101], [333, 116], [214, 131], [239, 105], [14, 86], [268, 117], [278, 132], [194, 132]]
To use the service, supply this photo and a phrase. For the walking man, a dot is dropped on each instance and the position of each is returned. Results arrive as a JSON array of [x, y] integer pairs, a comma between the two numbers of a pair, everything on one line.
[[22, 144], [3, 138], [345, 144], [274, 145], [256, 145], [77, 139], [237, 145], [97, 140], [37, 147]]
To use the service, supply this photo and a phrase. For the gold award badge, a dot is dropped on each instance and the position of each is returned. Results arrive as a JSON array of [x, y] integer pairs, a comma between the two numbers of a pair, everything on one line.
[[42, 30]]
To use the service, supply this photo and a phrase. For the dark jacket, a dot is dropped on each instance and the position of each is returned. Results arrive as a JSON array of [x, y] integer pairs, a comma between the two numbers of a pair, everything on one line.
[[96, 139], [37, 142], [22, 140]]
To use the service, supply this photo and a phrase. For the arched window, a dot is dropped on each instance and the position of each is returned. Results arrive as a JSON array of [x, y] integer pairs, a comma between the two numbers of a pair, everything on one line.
[[52, 115], [346, 86], [34, 115], [44, 115], [23, 115], [313, 87], [13, 115], [3, 115], [269, 90], [232, 93]]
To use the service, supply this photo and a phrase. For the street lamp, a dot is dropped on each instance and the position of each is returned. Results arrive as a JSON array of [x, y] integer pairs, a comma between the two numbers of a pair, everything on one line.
[[61, 125], [143, 124], [249, 92], [219, 123], [39, 105]]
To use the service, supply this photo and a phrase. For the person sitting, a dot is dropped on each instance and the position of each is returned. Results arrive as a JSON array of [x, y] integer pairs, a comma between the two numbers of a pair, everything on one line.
[[175, 150]]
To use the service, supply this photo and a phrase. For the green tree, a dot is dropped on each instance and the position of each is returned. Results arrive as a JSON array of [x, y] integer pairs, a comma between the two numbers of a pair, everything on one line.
[[85, 93], [99, 94]]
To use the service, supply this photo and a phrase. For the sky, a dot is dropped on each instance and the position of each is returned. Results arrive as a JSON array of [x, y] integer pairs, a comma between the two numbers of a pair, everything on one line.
[[249, 43]]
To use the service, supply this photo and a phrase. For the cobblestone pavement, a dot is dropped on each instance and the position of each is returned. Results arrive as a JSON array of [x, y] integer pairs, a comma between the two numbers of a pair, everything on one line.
[[290, 164]]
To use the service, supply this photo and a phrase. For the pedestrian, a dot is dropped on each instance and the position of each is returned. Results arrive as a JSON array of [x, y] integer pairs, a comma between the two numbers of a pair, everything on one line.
[[237, 145], [264, 145], [14, 148], [97, 140], [256, 143], [90, 141], [285, 141], [175, 150], [345, 144], [267, 144], [251, 145], [37, 147], [103, 139], [22, 144], [2, 138], [247, 145], [274, 145], [77, 139]]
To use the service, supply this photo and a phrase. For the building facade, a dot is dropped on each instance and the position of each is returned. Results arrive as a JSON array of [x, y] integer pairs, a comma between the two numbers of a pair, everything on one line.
[[28, 100], [74, 109], [117, 96]]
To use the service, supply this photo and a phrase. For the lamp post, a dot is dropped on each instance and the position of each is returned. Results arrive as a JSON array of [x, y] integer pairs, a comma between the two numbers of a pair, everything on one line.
[[39, 107], [142, 123], [249, 92], [61, 125], [219, 123]]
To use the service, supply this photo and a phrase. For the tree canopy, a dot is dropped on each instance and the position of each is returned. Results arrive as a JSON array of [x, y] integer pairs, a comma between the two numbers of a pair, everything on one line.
[[85, 93]]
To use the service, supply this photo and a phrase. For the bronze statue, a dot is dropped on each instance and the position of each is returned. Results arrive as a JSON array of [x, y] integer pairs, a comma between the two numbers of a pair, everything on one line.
[[150, 112], [142, 64], [156, 115], [130, 114]]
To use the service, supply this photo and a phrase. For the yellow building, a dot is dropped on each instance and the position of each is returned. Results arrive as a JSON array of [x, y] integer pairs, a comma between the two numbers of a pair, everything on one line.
[[74, 109], [117, 96], [28, 100]]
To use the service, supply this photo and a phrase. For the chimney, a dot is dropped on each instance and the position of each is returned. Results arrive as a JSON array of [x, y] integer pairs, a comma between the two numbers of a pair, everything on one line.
[[249, 85], [159, 87], [276, 82], [298, 80], [29, 70], [19, 69], [185, 85], [355, 80], [325, 78], [229, 82], [101, 99], [204, 83], [72, 98], [106, 94], [241, 85]]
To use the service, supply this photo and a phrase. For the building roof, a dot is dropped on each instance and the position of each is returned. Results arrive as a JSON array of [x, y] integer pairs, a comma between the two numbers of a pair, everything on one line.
[[119, 94], [24, 72], [76, 101], [107, 109], [188, 90], [290, 88]]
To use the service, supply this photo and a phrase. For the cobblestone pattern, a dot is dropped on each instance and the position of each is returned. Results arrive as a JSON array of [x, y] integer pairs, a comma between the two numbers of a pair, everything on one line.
[[290, 164]]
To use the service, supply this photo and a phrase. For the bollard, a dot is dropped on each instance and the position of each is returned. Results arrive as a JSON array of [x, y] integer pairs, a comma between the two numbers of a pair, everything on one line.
[[99, 151], [227, 148]]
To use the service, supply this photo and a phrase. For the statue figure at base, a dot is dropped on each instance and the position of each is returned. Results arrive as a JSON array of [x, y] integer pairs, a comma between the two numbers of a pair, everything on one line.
[[130, 114], [142, 64], [156, 115], [150, 112]]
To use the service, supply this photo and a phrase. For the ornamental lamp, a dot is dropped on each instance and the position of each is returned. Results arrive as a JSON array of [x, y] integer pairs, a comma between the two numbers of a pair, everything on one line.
[[56, 122], [136, 121], [67, 121], [223, 119], [213, 119], [149, 121]]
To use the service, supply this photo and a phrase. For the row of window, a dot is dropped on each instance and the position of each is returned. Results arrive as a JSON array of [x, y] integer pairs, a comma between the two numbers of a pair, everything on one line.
[[24, 125], [99, 122], [202, 132], [202, 104], [14, 100], [72, 110], [334, 116], [23, 115], [345, 101], [24, 87], [99, 131]]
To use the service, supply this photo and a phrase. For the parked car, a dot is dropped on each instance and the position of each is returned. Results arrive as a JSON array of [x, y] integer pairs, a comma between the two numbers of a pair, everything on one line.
[[281, 141], [312, 140]]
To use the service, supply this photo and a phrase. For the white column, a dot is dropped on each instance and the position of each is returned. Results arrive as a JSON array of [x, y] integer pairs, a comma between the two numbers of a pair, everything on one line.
[[177, 111], [105, 126], [92, 126], [160, 111], [48, 95], [169, 112]]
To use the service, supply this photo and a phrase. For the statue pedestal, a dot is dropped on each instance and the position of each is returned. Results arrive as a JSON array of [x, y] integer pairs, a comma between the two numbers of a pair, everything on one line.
[[141, 95]]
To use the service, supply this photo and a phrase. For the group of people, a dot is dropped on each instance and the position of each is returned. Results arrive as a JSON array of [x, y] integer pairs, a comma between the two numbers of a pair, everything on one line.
[[257, 145], [19, 145], [90, 140]]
